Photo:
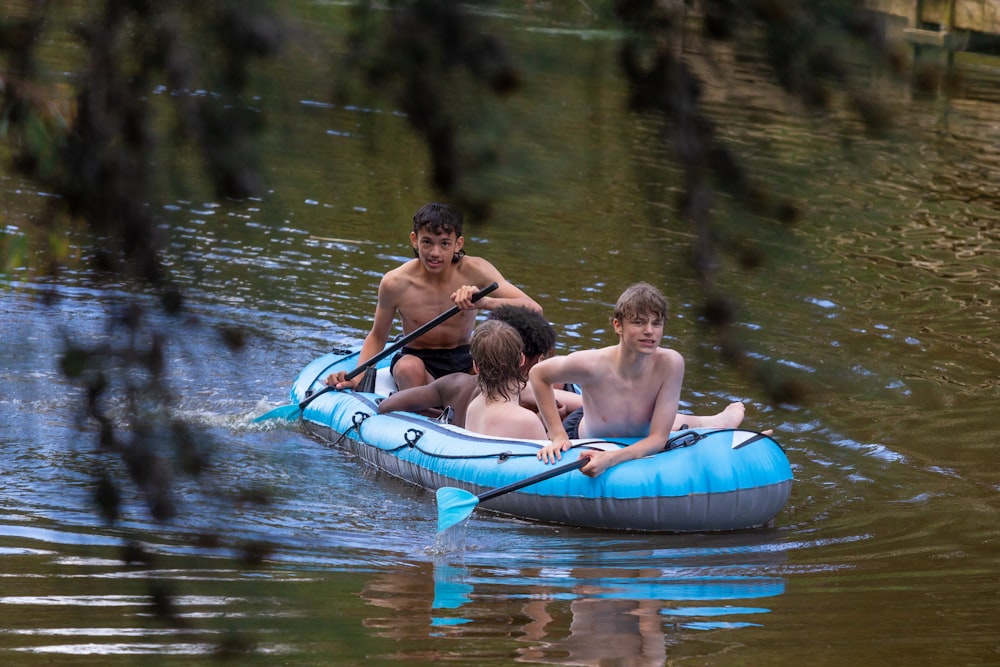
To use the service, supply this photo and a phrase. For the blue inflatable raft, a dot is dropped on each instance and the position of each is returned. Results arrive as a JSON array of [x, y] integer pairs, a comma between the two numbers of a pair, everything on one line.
[[706, 480]]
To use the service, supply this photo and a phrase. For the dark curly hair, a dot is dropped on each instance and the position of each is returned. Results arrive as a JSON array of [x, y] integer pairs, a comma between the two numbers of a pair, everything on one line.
[[538, 335]]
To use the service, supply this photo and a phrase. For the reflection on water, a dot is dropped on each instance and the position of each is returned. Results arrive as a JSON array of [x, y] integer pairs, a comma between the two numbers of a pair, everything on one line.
[[450, 590], [623, 605]]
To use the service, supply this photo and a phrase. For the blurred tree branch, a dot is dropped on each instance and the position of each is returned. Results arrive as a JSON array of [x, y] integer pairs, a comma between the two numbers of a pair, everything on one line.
[[101, 149], [813, 48]]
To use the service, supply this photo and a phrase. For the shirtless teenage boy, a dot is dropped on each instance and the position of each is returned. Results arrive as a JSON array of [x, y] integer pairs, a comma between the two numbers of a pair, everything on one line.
[[441, 276], [498, 353], [458, 389], [631, 389]]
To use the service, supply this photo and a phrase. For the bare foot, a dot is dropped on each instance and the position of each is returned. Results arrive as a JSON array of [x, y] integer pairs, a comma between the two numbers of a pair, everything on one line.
[[731, 417]]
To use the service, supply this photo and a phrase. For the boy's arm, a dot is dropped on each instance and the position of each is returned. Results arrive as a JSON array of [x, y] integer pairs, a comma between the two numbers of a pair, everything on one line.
[[385, 314], [506, 294], [542, 376], [413, 399], [566, 401], [509, 294]]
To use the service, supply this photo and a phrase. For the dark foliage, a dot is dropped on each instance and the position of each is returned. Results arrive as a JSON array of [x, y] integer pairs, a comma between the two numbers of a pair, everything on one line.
[[101, 153], [424, 44]]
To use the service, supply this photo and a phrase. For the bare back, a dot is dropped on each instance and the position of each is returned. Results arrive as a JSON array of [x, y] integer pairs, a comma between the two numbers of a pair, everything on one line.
[[503, 419]]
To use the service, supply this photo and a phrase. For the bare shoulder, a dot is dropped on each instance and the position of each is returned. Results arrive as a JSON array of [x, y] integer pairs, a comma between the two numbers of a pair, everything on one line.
[[669, 365], [578, 366], [589, 358], [403, 273], [474, 262], [478, 270], [396, 281], [594, 365], [669, 358]]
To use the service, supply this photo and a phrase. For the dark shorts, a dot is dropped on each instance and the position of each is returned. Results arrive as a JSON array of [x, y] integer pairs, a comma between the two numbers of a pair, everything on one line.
[[572, 423], [440, 362]]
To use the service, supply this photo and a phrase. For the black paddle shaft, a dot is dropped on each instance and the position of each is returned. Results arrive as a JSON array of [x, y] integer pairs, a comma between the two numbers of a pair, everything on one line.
[[534, 479], [408, 338]]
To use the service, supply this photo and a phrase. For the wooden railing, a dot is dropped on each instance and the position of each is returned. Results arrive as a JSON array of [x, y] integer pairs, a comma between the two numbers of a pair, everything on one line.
[[942, 23]]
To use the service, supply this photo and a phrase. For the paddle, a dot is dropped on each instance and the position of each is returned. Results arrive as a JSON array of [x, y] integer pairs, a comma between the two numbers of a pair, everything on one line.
[[455, 505], [294, 410]]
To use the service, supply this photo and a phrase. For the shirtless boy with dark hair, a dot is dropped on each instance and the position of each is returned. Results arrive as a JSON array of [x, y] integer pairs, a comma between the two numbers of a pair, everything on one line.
[[441, 276]]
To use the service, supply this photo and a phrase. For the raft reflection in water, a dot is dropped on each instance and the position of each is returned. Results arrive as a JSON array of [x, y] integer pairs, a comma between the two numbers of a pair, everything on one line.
[[577, 615]]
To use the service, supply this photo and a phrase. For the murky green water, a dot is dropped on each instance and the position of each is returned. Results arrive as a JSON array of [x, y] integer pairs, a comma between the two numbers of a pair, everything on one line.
[[882, 300]]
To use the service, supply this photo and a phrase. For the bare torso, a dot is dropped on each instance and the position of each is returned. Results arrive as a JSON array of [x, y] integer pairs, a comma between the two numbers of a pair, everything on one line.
[[418, 298], [616, 404], [424, 288]]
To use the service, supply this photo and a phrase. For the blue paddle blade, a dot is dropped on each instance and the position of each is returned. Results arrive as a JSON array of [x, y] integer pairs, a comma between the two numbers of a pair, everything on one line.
[[284, 412], [454, 506]]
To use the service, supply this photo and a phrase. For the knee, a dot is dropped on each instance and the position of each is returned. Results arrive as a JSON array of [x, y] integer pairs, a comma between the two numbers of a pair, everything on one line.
[[409, 371]]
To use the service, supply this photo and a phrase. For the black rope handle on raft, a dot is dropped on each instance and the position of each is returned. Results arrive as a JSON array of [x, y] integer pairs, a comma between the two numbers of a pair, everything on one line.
[[412, 436], [357, 419], [686, 438], [590, 443]]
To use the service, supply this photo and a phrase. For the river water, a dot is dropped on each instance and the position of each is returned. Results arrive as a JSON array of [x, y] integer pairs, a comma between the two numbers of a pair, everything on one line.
[[880, 302]]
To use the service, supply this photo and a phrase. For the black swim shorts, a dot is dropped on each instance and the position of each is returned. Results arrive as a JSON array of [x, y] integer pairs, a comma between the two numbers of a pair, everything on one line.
[[572, 423], [440, 362]]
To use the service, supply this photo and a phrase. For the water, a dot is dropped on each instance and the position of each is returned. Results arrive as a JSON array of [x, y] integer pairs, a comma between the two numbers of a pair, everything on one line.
[[880, 301]]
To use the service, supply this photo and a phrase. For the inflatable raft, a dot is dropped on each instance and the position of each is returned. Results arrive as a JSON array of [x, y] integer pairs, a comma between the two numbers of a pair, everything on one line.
[[705, 480]]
